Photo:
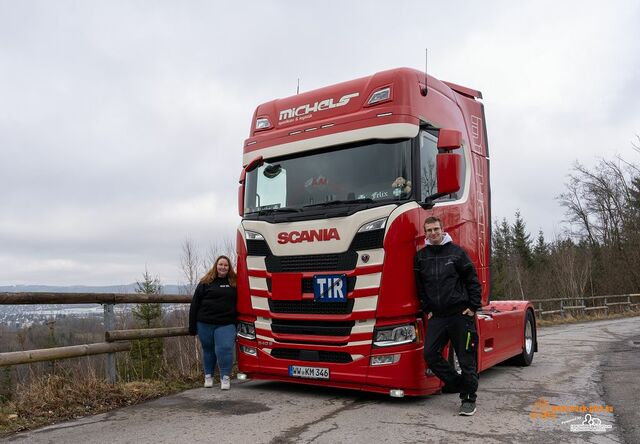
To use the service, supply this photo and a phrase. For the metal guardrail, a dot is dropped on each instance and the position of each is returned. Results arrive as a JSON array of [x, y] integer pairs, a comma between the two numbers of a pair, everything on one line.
[[114, 338]]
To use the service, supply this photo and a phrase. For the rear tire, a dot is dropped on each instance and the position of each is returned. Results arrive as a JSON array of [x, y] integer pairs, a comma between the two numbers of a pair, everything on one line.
[[525, 358]]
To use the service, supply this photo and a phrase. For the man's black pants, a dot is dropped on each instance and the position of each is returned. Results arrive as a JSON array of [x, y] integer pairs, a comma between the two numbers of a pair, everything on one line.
[[461, 331]]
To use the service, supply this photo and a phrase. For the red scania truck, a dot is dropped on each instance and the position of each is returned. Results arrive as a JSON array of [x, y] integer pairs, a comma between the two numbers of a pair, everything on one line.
[[335, 187]]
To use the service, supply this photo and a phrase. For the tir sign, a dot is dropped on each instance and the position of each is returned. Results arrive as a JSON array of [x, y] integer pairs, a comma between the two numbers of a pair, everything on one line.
[[330, 288]]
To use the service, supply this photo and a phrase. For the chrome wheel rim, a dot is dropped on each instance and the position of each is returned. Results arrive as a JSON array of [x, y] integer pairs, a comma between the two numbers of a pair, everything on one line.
[[528, 337]]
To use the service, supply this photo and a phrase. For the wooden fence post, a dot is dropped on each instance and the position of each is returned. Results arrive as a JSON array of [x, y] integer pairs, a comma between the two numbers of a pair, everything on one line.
[[109, 322], [540, 305]]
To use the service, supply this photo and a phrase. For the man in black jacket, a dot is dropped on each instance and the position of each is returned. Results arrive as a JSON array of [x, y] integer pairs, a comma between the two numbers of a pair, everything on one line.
[[450, 294]]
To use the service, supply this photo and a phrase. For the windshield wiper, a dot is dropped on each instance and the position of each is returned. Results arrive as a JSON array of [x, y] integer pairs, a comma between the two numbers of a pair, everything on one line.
[[267, 211], [340, 202]]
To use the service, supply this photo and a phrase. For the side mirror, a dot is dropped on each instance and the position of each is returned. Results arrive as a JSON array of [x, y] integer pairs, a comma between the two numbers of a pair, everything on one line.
[[448, 171], [255, 163], [448, 177], [447, 166], [449, 139], [241, 200]]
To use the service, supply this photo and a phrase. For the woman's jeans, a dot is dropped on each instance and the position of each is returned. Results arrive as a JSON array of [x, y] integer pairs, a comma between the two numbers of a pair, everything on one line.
[[218, 343]]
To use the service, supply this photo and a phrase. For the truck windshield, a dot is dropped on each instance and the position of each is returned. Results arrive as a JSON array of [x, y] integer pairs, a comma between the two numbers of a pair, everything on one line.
[[367, 172]]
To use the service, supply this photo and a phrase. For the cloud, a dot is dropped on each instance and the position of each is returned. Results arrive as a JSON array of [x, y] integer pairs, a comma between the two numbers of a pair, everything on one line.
[[122, 123]]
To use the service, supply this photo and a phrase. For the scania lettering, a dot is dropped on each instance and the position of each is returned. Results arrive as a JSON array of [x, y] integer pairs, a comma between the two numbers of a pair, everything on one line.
[[308, 236], [333, 200]]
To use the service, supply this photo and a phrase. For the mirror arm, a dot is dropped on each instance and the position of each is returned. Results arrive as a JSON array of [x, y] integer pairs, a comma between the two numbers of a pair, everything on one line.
[[429, 201]]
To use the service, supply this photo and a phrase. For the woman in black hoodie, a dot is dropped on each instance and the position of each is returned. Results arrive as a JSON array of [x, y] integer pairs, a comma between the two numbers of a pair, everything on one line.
[[213, 318]]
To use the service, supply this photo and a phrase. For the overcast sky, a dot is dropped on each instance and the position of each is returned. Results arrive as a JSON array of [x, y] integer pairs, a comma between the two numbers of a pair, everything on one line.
[[122, 123]]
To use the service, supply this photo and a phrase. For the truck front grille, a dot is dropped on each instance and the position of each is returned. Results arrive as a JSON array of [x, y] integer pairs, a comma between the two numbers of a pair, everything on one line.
[[316, 328], [311, 355], [311, 307], [313, 262]]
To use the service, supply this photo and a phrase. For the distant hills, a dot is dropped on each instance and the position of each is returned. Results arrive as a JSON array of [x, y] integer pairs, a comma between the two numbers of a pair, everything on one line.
[[128, 288]]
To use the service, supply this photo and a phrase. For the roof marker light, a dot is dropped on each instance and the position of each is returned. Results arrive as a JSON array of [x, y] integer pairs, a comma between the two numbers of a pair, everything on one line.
[[328, 125], [380, 96], [311, 129], [262, 123], [293, 133], [384, 114]]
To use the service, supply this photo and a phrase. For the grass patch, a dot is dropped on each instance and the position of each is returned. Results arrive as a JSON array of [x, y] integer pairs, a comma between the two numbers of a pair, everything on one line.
[[56, 398]]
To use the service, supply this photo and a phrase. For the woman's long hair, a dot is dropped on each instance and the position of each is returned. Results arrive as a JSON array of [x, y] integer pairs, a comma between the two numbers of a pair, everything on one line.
[[213, 273]]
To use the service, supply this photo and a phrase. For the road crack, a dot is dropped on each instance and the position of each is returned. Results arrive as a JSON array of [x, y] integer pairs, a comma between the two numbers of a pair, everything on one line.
[[292, 435]]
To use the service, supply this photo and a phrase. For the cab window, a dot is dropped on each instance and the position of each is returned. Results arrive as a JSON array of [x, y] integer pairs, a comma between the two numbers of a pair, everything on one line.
[[428, 172]]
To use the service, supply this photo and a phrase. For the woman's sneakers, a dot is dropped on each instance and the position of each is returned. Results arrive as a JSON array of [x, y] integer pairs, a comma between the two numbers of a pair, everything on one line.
[[225, 383], [208, 381]]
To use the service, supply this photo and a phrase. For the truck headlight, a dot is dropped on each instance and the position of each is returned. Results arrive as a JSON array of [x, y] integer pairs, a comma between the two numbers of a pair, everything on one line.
[[373, 225], [247, 330], [252, 235], [395, 335]]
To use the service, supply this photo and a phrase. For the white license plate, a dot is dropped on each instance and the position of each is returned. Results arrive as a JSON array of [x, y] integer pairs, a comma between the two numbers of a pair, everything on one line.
[[298, 371]]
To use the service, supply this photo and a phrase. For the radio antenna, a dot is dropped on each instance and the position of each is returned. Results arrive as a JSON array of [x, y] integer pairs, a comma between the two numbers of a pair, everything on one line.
[[298, 88], [425, 90]]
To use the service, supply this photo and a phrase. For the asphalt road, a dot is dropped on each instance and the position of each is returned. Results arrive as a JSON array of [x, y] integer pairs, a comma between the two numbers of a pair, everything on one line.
[[593, 364]]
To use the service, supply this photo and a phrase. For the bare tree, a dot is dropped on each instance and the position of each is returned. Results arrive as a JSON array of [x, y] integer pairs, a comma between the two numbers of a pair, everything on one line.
[[189, 262], [572, 269], [225, 247]]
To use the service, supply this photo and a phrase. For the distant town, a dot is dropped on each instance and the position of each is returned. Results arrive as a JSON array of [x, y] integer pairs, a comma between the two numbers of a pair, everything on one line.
[[15, 317]]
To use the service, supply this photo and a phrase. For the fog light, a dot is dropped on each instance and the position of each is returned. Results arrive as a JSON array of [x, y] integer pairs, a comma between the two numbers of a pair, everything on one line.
[[384, 359], [248, 350], [242, 377], [396, 393]]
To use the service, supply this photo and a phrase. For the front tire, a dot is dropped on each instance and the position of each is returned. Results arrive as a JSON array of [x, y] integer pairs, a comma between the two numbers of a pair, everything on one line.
[[525, 358]]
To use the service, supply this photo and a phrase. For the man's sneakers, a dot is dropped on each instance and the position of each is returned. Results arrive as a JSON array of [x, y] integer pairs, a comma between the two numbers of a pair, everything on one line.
[[468, 408], [208, 381]]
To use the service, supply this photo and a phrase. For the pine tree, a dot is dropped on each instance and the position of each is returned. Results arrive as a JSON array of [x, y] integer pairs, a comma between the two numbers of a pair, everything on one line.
[[500, 251], [148, 313], [502, 243], [146, 354], [522, 241], [541, 249]]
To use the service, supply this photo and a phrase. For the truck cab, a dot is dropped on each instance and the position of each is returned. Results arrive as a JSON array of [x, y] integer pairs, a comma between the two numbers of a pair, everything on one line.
[[335, 187]]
